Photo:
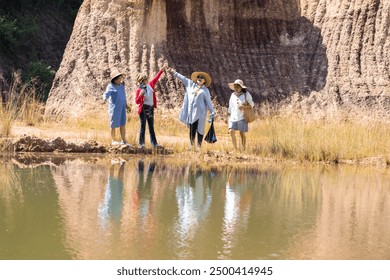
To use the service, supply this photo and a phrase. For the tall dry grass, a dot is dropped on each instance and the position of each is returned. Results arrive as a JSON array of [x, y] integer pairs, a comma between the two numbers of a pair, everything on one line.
[[272, 136], [170, 132], [294, 138], [290, 138], [21, 104]]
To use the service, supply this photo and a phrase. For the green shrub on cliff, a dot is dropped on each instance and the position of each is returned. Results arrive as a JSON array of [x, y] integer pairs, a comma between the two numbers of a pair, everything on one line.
[[44, 75], [10, 35]]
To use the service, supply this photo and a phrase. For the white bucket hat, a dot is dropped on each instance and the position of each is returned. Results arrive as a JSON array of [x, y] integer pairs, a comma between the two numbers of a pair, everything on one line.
[[237, 82]]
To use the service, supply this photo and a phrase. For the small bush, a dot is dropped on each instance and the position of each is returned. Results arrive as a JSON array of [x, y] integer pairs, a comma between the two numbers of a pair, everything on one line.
[[42, 76], [9, 35]]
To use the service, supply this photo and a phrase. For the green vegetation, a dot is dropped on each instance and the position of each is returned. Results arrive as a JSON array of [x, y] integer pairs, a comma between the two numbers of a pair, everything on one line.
[[21, 40], [16, 7], [9, 35], [42, 77], [18, 21]]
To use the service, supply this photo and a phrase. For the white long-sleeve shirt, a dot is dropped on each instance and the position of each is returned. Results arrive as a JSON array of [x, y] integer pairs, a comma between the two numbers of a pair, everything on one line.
[[235, 102]]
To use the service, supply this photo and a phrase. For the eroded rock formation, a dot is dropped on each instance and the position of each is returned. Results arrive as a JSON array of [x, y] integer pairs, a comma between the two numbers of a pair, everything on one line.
[[307, 55]]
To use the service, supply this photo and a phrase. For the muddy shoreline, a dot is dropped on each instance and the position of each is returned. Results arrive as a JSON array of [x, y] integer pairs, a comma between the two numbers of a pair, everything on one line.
[[33, 144], [32, 150]]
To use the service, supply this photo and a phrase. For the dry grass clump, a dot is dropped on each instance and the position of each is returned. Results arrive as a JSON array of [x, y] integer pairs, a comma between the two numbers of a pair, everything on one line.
[[330, 141], [21, 104], [284, 138], [273, 136]]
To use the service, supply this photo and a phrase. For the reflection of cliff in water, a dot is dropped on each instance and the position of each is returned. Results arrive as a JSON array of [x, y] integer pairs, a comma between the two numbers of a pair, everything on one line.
[[264, 210], [101, 227], [30, 224], [151, 209], [355, 210], [180, 212], [81, 189]]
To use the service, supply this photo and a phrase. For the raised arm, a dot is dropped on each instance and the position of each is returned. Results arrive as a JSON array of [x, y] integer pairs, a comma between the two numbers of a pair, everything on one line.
[[154, 81], [182, 78]]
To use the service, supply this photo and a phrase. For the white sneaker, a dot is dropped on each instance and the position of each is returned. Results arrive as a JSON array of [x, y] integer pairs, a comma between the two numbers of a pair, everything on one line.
[[115, 143], [124, 143], [118, 161]]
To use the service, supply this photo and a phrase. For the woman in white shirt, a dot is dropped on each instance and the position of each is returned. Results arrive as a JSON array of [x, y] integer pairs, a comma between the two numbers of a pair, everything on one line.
[[238, 99]]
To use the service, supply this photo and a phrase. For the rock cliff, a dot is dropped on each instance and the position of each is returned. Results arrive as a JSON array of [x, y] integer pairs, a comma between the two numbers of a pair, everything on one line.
[[310, 56]]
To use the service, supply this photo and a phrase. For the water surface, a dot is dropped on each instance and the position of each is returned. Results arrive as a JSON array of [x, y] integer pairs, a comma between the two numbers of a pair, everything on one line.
[[151, 209]]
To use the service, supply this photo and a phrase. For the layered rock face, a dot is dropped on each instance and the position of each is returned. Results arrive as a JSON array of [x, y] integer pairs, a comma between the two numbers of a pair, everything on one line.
[[313, 54]]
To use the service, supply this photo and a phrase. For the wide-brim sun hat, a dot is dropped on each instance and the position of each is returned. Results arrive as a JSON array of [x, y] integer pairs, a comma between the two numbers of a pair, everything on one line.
[[206, 76], [115, 73], [237, 82]]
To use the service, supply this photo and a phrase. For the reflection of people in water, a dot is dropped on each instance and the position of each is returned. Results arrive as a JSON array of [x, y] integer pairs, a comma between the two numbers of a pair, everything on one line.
[[238, 200], [111, 208], [194, 200], [145, 187]]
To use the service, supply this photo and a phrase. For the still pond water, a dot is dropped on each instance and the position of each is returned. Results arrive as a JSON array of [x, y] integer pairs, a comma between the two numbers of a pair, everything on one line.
[[147, 209]]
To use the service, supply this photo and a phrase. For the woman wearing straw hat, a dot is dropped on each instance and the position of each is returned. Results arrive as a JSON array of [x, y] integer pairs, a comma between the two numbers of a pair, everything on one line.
[[196, 102], [116, 96], [238, 99], [145, 97]]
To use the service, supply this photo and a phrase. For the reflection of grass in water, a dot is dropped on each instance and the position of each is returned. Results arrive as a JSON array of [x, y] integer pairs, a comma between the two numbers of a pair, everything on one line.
[[10, 186], [299, 188], [294, 190], [10, 190], [280, 203], [291, 196]]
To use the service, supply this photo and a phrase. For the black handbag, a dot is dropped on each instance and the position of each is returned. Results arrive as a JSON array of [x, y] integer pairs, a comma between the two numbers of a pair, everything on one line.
[[211, 137]]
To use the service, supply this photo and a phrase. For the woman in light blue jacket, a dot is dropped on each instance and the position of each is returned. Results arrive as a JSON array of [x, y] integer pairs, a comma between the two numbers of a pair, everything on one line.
[[196, 102], [116, 96]]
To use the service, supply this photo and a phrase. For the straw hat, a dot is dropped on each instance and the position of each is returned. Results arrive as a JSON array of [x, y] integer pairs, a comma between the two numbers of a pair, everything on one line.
[[115, 73], [140, 77], [237, 82], [204, 74]]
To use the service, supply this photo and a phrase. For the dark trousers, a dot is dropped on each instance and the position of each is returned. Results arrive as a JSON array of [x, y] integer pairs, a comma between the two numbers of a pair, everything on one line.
[[193, 132], [147, 115]]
